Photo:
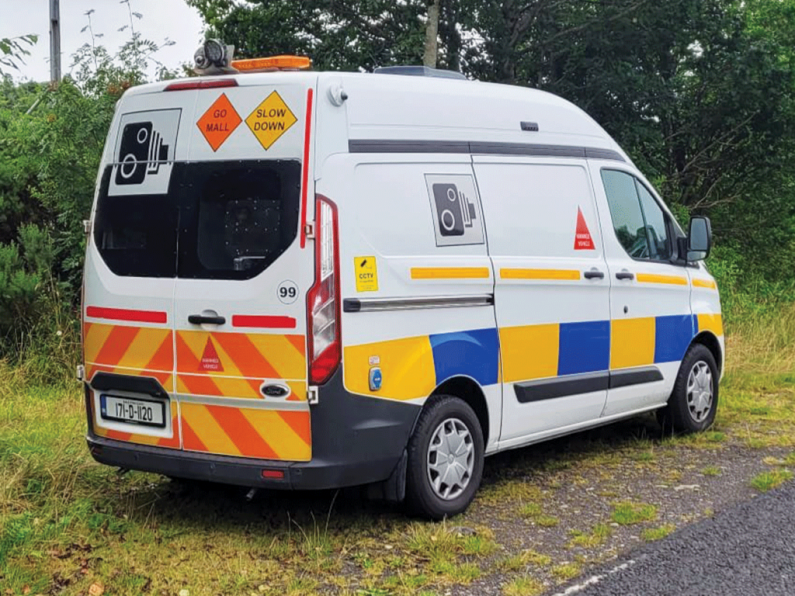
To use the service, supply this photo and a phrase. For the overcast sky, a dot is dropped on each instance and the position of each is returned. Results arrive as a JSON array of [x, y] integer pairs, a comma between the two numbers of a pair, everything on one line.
[[162, 19]]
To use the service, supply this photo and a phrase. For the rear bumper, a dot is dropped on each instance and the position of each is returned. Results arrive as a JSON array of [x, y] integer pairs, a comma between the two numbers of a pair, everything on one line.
[[355, 440]]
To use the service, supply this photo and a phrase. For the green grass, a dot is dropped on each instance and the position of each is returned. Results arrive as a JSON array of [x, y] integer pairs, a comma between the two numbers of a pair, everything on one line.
[[628, 513], [596, 537], [711, 471], [769, 480], [523, 586], [652, 534]]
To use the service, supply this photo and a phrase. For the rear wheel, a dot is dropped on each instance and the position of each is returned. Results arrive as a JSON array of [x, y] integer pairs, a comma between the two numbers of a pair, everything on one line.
[[694, 400], [445, 459]]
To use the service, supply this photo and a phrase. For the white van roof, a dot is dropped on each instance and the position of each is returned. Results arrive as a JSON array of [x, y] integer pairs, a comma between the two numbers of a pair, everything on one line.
[[453, 115]]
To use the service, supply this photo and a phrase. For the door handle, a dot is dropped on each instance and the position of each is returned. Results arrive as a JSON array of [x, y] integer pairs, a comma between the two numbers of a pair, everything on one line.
[[625, 275], [594, 274], [205, 320]]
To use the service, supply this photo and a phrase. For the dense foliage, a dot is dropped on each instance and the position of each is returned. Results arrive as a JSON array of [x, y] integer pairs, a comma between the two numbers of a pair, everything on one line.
[[699, 92]]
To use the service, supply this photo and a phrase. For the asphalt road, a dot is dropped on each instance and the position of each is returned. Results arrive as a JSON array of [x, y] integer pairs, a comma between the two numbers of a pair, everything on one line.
[[748, 550]]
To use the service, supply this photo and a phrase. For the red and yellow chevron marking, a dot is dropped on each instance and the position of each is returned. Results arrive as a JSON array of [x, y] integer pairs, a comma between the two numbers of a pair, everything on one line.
[[246, 360], [129, 350], [247, 432], [171, 442]]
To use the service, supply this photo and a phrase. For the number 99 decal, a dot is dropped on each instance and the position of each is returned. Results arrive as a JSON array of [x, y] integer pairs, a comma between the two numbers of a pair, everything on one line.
[[287, 292]]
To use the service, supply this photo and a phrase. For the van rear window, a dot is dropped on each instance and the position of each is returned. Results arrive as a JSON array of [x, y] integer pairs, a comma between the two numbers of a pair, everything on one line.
[[230, 220]]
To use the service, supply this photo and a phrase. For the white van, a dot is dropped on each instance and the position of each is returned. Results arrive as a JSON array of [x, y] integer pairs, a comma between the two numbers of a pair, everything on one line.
[[306, 280]]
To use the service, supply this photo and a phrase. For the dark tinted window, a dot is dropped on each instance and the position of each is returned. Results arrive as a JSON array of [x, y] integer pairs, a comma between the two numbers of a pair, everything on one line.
[[622, 196], [231, 220], [638, 220], [137, 234], [237, 219], [655, 225]]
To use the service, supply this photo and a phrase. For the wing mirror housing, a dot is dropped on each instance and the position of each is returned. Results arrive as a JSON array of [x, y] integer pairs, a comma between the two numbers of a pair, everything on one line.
[[699, 239]]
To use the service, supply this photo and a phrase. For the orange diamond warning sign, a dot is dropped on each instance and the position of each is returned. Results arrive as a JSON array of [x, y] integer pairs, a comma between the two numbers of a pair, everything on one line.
[[270, 120], [219, 121], [582, 237], [210, 360]]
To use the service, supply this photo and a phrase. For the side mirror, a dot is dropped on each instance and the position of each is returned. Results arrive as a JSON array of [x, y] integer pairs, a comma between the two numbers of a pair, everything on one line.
[[699, 239]]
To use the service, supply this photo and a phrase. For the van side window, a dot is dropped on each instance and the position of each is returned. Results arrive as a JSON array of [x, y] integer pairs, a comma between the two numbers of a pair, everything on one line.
[[638, 220], [655, 224]]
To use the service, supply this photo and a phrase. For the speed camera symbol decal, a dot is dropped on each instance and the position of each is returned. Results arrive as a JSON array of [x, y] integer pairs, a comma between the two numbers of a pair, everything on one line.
[[456, 208], [145, 152]]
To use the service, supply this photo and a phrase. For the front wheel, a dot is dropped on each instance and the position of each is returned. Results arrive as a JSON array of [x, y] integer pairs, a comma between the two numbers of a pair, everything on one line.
[[445, 459], [694, 400]]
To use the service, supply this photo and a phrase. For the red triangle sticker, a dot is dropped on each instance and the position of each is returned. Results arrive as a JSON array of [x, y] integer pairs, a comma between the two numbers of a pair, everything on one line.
[[582, 237], [210, 360]]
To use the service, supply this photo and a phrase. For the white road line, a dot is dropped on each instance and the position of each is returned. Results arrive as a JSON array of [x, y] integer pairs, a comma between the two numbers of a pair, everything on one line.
[[592, 581]]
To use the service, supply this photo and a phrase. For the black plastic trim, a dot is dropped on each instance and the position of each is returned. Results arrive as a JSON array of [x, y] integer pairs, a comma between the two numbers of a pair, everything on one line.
[[544, 389], [479, 147], [531, 391], [356, 440], [637, 376], [104, 381]]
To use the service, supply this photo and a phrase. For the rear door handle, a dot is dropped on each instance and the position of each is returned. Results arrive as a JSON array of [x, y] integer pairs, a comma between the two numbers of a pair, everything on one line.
[[594, 274], [204, 320], [625, 275]]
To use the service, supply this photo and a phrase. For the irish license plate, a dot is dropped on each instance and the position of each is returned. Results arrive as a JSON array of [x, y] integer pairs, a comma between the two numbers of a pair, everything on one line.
[[133, 410]]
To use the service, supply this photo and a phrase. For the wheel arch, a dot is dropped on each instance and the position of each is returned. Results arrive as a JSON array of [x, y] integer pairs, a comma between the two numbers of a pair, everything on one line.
[[712, 343], [470, 391]]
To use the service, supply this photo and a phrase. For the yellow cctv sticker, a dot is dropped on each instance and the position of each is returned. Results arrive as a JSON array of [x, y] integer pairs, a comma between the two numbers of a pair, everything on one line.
[[366, 274], [270, 120]]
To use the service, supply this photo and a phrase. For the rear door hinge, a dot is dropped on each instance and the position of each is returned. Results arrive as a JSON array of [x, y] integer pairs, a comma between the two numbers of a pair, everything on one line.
[[309, 230], [87, 226]]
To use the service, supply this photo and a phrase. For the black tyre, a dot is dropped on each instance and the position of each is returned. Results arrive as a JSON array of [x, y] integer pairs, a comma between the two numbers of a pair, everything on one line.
[[694, 400], [445, 459]]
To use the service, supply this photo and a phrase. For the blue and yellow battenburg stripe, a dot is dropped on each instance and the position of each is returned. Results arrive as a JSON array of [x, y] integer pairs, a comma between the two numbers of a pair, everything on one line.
[[413, 367]]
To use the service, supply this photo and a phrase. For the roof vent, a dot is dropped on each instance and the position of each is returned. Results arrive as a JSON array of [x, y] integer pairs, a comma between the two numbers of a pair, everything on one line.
[[420, 71]]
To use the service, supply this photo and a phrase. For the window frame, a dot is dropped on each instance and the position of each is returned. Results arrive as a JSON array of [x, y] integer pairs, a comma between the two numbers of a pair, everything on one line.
[[671, 228]]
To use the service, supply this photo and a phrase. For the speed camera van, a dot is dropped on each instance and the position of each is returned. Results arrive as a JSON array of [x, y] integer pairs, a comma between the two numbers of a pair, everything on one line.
[[307, 280]]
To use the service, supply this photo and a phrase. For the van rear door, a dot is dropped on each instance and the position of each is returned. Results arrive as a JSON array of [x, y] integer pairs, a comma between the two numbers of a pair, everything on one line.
[[243, 269]]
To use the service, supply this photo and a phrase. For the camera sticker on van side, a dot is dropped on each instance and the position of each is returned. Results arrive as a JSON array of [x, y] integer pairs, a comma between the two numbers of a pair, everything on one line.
[[144, 153], [456, 209]]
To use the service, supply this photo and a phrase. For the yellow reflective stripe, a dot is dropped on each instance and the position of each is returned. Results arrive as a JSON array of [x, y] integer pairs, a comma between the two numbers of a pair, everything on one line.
[[632, 342], [450, 273], [94, 340], [651, 278], [529, 352], [143, 347], [705, 283], [208, 430], [281, 354], [712, 323], [278, 434], [566, 274], [407, 368]]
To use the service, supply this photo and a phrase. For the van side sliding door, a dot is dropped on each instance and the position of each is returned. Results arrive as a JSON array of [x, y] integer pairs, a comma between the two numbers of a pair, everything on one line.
[[551, 292]]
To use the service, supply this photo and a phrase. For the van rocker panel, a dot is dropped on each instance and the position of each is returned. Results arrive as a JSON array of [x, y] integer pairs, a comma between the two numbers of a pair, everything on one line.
[[356, 440]]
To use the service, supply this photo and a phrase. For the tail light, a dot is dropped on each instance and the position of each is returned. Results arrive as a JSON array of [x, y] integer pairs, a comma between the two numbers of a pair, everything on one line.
[[323, 298]]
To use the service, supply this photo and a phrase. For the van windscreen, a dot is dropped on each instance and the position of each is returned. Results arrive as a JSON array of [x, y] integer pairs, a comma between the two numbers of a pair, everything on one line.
[[229, 220]]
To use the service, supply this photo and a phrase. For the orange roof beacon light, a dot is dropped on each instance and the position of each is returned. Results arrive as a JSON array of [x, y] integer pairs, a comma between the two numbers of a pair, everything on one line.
[[273, 63]]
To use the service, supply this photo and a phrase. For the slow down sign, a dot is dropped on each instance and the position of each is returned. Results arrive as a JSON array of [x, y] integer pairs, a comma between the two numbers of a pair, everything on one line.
[[270, 120]]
